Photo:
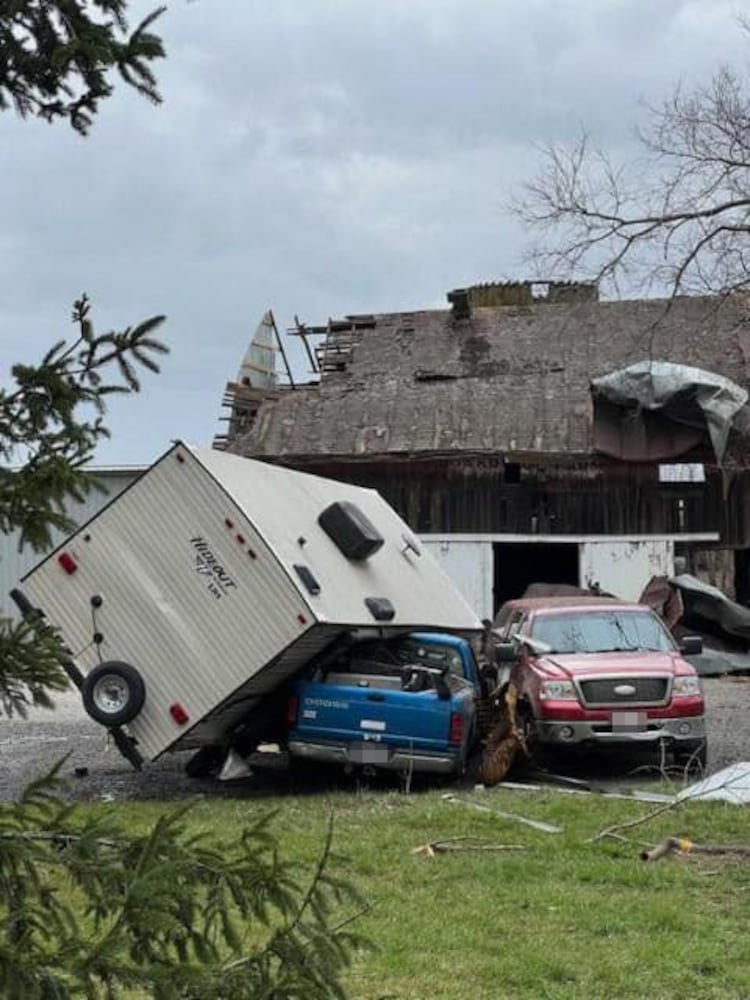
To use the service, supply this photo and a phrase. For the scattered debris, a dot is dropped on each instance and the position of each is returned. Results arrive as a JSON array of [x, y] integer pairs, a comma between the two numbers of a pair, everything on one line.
[[707, 603], [234, 767], [504, 740], [721, 663], [467, 843], [518, 786], [688, 604], [664, 599], [81, 772], [633, 794], [548, 777], [731, 784], [641, 796], [537, 824], [650, 402], [615, 831], [679, 845]]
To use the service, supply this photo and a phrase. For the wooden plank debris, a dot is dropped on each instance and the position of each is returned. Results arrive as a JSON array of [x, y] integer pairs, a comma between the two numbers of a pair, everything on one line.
[[536, 824], [682, 846], [434, 847]]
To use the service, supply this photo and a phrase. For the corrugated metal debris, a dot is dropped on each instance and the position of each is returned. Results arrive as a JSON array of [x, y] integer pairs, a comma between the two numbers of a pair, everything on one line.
[[731, 784], [680, 396]]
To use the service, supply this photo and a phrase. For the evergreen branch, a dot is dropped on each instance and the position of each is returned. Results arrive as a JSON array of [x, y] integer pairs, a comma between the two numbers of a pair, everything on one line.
[[39, 419], [57, 57], [29, 666]]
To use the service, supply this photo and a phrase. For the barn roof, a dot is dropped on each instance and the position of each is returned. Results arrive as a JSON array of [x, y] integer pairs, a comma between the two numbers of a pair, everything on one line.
[[512, 379]]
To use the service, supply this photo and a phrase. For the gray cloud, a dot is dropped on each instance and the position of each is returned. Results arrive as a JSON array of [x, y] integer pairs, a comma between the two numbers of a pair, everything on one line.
[[319, 158]]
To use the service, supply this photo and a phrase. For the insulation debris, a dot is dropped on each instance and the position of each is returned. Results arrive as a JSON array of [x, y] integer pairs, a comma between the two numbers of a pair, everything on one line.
[[731, 784]]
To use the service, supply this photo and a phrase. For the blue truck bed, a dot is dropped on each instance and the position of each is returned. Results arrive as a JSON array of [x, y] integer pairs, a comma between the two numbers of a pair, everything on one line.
[[406, 704]]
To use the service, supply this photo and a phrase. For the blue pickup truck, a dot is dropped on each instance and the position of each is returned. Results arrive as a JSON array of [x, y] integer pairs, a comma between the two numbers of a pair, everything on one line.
[[408, 703]]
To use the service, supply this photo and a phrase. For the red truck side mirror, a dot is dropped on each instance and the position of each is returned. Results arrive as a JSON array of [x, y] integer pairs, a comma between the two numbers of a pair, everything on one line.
[[691, 645], [506, 652]]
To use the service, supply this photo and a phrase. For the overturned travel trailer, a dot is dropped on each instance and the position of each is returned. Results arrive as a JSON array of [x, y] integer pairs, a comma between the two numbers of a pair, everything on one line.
[[191, 599]]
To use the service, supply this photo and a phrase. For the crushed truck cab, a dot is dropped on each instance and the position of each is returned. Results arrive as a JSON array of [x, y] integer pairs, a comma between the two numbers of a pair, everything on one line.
[[409, 703]]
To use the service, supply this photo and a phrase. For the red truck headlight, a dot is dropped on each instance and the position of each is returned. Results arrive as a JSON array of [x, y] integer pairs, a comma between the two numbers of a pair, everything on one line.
[[558, 691], [686, 686]]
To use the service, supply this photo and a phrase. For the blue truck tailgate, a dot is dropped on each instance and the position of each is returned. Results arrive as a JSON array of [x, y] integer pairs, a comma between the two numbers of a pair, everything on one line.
[[409, 703], [353, 712]]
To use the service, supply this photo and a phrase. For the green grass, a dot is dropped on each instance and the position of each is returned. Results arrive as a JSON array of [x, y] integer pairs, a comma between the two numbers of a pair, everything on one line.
[[563, 919]]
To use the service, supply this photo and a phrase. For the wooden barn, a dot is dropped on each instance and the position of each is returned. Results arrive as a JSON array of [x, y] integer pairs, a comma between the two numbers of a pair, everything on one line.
[[478, 423]]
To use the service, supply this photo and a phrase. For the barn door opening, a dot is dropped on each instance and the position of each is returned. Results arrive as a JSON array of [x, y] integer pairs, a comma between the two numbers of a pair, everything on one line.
[[517, 564]]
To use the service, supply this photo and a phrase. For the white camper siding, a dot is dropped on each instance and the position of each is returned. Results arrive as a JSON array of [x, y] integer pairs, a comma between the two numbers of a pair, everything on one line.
[[469, 566], [14, 564], [624, 567], [287, 505], [190, 646], [292, 660]]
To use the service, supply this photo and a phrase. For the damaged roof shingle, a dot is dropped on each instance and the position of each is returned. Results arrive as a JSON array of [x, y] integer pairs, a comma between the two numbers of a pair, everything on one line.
[[510, 379]]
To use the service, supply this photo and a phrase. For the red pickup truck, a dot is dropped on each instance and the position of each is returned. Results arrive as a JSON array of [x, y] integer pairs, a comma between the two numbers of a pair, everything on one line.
[[595, 672]]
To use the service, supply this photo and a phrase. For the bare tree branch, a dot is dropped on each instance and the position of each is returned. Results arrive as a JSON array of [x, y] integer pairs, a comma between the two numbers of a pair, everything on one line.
[[678, 218]]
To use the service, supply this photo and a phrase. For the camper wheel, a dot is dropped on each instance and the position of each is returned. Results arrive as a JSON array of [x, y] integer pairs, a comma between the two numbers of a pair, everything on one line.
[[113, 693]]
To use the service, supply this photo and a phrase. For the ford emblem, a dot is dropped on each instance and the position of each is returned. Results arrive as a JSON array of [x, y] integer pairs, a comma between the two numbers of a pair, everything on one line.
[[624, 690]]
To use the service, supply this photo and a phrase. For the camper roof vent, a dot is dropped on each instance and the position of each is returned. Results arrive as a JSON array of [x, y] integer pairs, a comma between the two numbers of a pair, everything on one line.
[[348, 528]]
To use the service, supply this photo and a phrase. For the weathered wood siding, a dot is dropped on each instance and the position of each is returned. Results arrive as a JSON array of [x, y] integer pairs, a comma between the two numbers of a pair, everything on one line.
[[474, 496]]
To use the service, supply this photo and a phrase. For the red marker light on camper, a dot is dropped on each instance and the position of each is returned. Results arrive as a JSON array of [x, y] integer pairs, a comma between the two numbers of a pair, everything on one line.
[[68, 563], [179, 714]]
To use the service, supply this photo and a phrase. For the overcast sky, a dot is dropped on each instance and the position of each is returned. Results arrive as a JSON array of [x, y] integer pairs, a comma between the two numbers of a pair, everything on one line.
[[317, 157]]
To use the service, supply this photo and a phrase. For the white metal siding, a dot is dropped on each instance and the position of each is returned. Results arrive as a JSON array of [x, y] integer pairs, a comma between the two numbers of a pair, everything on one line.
[[222, 718], [619, 564], [14, 564], [469, 566], [624, 567]]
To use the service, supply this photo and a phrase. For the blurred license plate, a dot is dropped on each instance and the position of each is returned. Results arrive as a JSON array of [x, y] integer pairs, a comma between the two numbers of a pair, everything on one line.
[[628, 722], [369, 753]]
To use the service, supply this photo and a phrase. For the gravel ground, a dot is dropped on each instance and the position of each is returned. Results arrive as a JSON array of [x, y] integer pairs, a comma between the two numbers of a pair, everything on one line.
[[30, 747]]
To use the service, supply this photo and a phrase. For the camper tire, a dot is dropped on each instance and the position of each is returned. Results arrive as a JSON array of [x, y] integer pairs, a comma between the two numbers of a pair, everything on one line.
[[113, 693]]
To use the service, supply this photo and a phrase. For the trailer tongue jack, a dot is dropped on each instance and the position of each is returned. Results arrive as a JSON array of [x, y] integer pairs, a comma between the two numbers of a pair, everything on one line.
[[124, 743]]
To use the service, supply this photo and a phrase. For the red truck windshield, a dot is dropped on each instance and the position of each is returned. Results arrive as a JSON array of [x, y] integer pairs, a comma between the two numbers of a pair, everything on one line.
[[601, 632]]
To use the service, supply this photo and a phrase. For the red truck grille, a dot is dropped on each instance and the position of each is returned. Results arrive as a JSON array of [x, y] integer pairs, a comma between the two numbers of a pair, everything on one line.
[[645, 690]]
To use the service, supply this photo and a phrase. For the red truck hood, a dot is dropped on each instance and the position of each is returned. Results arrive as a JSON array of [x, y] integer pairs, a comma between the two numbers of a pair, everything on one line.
[[643, 662]]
